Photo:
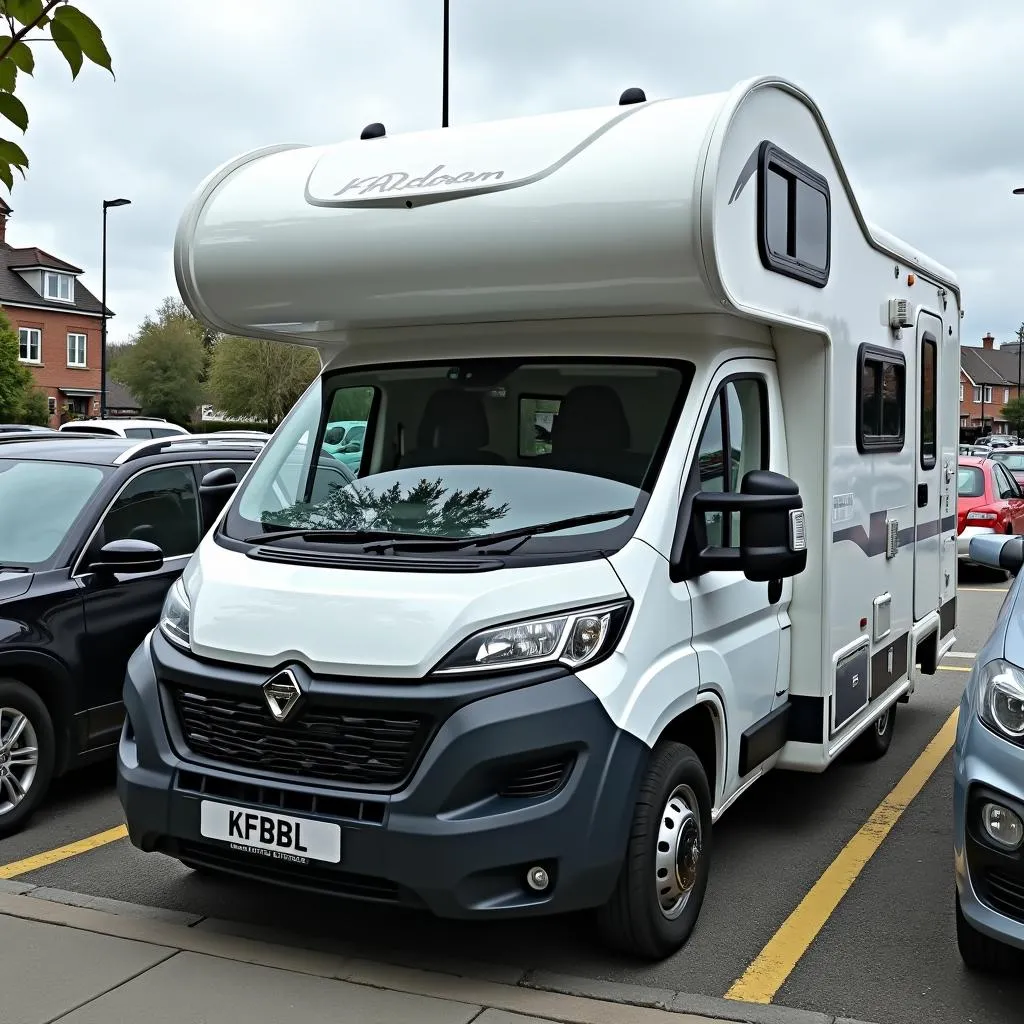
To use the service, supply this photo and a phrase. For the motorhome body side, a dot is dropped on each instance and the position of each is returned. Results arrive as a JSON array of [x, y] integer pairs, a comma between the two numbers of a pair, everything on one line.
[[349, 696]]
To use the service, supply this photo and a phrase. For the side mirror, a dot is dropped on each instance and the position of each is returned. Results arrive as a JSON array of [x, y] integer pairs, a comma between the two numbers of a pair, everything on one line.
[[772, 545], [127, 557], [998, 552], [214, 490]]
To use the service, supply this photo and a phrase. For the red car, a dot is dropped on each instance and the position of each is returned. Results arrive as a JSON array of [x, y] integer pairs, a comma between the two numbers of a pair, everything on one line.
[[989, 500]]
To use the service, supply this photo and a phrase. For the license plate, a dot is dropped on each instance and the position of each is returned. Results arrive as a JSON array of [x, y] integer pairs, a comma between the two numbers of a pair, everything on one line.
[[278, 836]]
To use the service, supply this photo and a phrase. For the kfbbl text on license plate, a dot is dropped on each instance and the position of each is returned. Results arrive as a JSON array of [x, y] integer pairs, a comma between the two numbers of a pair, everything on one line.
[[277, 834]]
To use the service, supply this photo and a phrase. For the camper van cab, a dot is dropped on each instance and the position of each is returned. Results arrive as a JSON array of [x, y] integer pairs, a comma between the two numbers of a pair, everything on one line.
[[656, 494]]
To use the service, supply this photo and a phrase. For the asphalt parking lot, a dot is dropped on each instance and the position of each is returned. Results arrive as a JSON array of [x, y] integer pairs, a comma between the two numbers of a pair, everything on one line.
[[873, 937]]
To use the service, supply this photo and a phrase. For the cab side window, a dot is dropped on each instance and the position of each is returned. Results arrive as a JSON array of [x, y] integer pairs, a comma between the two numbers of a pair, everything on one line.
[[160, 506], [734, 441]]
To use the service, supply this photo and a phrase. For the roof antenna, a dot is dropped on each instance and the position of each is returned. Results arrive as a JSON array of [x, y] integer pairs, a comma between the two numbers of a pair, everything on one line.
[[373, 131], [633, 95], [444, 70]]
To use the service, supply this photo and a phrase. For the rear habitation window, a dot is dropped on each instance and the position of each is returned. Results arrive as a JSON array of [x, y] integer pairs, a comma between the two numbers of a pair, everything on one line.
[[794, 217], [881, 400]]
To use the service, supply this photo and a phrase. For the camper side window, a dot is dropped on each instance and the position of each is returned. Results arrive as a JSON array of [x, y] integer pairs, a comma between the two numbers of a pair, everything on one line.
[[738, 425], [881, 400]]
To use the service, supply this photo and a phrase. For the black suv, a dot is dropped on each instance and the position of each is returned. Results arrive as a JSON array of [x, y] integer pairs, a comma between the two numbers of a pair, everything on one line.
[[93, 531]]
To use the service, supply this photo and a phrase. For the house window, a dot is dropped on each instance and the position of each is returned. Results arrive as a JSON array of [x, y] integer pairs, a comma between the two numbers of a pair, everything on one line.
[[76, 349], [51, 405], [794, 217], [30, 340], [881, 400], [1006, 395], [988, 392], [961, 391], [59, 286]]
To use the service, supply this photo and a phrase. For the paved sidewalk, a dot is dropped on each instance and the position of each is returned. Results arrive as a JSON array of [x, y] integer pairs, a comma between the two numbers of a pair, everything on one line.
[[77, 964]]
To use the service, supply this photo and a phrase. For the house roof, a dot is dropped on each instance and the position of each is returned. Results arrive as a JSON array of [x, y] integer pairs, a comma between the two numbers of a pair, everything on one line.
[[31, 257], [989, 365], [119, 397]]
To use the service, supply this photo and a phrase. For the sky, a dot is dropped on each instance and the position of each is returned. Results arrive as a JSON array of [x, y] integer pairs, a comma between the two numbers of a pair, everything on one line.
[[922, 98]]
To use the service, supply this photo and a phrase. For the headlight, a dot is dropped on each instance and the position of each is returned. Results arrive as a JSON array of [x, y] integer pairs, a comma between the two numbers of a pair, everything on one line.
[[1001, 699], [174, 617], [573, 639]]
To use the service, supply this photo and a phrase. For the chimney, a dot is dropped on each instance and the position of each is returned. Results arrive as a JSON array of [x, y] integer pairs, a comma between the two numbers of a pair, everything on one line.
[[5, 212], [988, 341]]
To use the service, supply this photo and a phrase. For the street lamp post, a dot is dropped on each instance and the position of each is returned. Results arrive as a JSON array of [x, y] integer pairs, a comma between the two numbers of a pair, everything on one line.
[[444, 70], [107, 203]]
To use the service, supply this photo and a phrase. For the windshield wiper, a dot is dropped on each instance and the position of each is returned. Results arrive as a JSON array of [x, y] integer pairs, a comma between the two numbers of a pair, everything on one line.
[[379, 539]]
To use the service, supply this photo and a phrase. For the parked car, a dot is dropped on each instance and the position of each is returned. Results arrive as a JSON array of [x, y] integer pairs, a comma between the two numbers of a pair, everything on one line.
[[93, 532], [989, 500], [136, 428], [988, 780], [24, 428], [1012, 458]]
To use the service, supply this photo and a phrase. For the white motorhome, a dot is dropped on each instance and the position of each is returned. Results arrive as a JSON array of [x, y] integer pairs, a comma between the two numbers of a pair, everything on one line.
[[656, 495]]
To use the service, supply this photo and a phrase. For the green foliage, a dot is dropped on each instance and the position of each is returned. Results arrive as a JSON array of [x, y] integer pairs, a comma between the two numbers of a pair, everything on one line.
[[35, 409], [163, 363], [421, 511], [1013, 413], [251, 377], [15, 378], [209, 426], [74, 34]]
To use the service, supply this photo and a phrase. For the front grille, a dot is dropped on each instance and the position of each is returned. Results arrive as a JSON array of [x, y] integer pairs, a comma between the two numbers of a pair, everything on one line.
[[1004, 893], [335, 744]]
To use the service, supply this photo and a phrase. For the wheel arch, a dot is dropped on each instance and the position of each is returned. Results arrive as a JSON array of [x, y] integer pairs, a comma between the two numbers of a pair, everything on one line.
[[702, 727], [49, 679]]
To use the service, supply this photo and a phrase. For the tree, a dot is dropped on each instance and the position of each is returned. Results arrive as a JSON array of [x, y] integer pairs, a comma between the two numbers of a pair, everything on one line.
[[164, 362], [262, 379], [35, 409], [15, 377], [73, 33], [1013, 413]]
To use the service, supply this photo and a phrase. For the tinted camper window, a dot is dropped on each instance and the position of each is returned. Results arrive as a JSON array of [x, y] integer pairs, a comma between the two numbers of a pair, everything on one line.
[[881, 400]]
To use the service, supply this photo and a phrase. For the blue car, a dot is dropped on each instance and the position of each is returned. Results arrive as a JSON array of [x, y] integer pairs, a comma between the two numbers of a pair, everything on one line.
[[988, 780]]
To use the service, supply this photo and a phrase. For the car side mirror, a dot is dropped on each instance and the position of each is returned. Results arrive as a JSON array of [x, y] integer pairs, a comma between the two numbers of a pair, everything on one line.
[[127, 557], [772, 542], [996, 551], [214, 490]]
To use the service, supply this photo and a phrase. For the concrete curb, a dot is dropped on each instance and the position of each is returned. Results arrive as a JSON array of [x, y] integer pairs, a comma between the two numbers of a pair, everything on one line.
[[540, 994]]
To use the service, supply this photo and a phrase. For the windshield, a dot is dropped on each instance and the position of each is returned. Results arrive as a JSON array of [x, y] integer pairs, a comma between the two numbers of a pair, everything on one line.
[[1013, 461], [39, 501], [456, 451], [970, 483]]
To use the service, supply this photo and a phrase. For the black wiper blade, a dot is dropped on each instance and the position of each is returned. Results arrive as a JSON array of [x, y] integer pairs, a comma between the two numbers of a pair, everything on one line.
[[525, 532], [341, 536]]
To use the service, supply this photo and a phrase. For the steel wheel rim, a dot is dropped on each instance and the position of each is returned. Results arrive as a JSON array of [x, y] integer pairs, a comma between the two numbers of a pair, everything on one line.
[[19, 758], [677, 852], [882, 721]]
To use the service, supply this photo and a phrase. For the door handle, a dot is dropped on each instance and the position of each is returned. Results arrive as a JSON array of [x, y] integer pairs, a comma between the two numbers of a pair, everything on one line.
[[922, 495]]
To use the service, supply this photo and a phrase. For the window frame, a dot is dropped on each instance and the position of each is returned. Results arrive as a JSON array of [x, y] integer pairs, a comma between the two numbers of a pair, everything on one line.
[[877, 444], [58, 276], [38, 332], [771, 157], [929, 461], [84, 364]]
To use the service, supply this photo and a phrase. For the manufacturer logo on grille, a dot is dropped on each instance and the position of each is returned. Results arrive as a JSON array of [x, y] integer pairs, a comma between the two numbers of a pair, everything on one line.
[[282, 693]]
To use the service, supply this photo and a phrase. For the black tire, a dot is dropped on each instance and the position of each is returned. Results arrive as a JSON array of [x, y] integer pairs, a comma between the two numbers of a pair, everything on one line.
[[876, 739], [16, 696], [633, 920], [979, 952]]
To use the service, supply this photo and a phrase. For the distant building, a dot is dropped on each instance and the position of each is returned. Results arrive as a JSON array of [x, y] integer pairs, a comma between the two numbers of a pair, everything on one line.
[[988, 381], [58, 321], [120, 401]]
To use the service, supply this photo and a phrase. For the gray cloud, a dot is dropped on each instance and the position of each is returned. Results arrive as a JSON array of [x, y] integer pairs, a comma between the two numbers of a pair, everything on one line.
[[922, 100]]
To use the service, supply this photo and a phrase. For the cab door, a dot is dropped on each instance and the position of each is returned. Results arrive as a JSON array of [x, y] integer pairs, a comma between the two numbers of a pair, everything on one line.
[[928, 470], [741, 637]]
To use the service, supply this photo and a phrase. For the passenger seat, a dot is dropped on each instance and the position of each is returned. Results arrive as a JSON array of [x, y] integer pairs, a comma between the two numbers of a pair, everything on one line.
[[453, 431]]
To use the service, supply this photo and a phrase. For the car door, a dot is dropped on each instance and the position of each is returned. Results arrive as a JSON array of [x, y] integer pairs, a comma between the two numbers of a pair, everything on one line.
[[1008, 490], [737, 632], [158, 504]]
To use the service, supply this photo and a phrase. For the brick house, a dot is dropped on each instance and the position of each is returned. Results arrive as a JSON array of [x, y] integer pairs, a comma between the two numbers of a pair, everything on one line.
[[58, 321], [988, 380]]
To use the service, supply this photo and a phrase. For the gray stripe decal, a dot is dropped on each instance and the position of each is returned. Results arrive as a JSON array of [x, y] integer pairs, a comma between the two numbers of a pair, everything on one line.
[[872, 541]]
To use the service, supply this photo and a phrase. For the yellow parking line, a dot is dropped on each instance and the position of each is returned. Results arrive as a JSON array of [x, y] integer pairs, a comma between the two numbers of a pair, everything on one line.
[[774, 964], [42, 860], [954, 668]]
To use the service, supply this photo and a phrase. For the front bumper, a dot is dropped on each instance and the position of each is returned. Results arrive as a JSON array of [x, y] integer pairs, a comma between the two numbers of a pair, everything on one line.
[[444, 838], [989, 881], [963, 540]]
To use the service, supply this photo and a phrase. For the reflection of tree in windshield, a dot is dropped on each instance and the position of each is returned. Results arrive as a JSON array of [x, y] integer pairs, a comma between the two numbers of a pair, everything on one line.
[[420, 511]]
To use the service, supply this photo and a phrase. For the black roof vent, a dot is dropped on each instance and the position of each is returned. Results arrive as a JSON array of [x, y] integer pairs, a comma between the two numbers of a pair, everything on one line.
[[633, 95], [373, 131]]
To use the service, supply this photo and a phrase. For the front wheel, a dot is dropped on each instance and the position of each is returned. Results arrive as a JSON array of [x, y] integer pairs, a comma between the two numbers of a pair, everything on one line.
[[26, 754], [664, 875]]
